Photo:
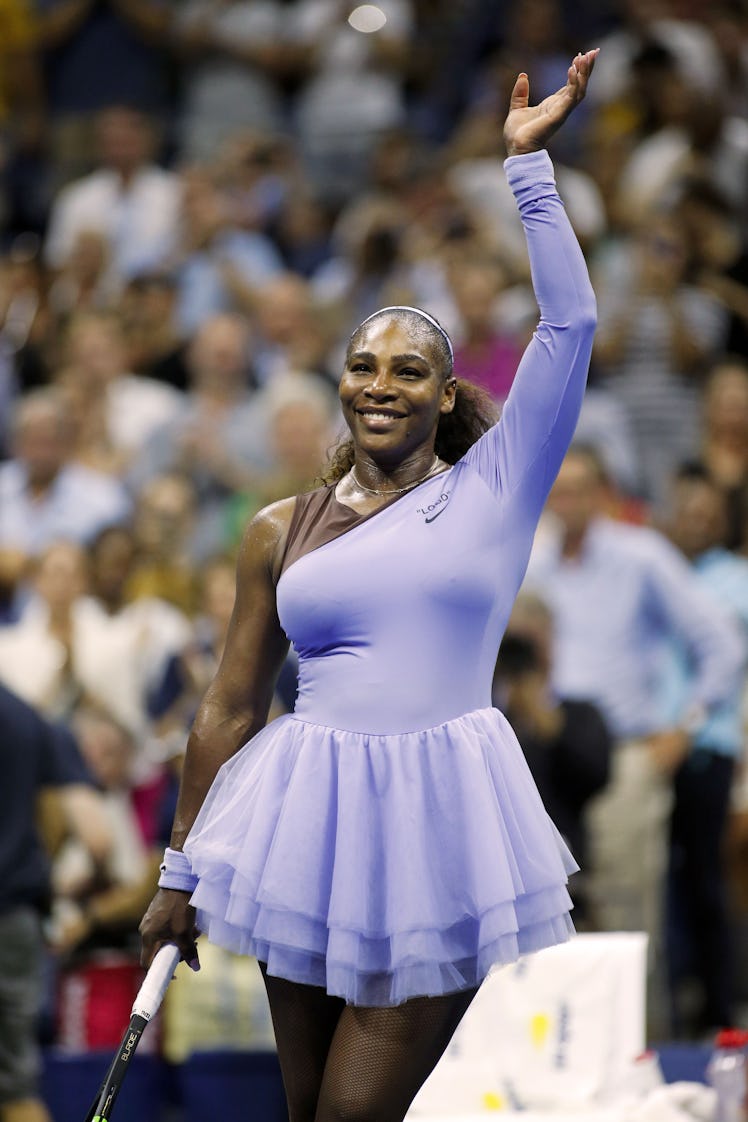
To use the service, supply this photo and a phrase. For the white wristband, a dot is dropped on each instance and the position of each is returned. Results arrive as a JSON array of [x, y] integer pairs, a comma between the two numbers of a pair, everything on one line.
[[176, 872]]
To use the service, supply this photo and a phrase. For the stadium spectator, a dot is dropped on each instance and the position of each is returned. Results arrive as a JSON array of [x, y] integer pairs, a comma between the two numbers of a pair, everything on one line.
[[293, 334], [699, 138], [642, 24], [301, 416], [83, 281], [727, 21], [154, 346], [723, 448], [235, 58], [604, 424], [256, 170], [566, 742], [164, 526], [27, 329], [719, 254], [366, 259], [78, 641], [619, 594], [117, 411], [191, 670], [220, 265], [122, 669], [218, 440], [97, 903], [656, 337], [485, 353], [351, 87], [128, 199], [39, 651], [96, 54], [699, 943], [44, 494], [37, 757], [302, 231]]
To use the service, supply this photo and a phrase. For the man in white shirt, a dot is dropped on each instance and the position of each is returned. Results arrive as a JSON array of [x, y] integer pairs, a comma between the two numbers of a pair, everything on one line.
[[128, 199]]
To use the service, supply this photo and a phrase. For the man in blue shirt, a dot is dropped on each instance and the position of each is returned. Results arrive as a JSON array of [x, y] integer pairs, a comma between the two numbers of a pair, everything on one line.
[[697, 924], [45, 496], [621, 596]]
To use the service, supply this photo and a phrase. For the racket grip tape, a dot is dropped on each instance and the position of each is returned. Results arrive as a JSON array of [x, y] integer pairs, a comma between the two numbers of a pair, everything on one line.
[[156, 982]]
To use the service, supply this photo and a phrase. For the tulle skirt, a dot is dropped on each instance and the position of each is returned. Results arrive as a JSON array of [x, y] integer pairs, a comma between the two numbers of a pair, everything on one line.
[[380, 867]]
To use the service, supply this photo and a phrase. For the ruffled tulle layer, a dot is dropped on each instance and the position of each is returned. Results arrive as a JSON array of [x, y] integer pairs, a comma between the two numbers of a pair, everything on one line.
[[380, 867]]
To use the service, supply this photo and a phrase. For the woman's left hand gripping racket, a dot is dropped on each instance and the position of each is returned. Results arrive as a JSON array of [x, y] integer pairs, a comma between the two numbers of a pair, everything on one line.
[[150, 996]]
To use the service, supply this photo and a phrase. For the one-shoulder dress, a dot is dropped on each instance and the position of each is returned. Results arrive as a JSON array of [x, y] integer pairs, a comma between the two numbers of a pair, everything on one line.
[[386, 839]]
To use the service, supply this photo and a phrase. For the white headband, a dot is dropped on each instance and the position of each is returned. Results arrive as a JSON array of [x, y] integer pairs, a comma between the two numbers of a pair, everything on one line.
[[418, 312]]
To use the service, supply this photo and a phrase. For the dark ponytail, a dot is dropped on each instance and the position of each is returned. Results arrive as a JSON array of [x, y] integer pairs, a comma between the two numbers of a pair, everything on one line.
[[474, 413]]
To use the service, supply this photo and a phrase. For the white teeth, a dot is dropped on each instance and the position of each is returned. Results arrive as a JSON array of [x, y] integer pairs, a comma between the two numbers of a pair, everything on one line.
[[379, 416]]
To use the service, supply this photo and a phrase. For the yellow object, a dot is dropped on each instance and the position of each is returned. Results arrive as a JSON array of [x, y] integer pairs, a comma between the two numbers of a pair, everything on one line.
[[540, 1026], [492, 1101]]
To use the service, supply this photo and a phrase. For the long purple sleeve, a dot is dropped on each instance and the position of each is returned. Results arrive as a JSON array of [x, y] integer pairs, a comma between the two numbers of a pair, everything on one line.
[[521, 455]]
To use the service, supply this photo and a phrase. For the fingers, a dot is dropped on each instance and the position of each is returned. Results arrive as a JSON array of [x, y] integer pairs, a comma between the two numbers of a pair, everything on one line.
[[169, 919], [585, 60], [188, 948], [579, 72], [520, 93], [184, 941]]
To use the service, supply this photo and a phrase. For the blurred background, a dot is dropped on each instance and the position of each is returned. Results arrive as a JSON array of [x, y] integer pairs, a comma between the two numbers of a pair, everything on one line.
[[199, 201]]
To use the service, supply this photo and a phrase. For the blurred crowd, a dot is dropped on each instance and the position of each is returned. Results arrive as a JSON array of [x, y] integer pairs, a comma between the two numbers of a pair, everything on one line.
[[199, 200]]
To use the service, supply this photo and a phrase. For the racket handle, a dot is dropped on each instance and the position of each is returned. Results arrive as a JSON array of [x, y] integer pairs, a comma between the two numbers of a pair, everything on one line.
[[156, 982]]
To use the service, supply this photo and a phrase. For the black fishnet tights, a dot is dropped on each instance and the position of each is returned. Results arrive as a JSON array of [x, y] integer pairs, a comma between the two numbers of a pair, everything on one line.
[[347, 1063]]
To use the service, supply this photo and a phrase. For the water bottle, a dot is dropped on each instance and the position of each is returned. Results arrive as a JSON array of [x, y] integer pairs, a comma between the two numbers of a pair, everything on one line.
[[726, 1071]]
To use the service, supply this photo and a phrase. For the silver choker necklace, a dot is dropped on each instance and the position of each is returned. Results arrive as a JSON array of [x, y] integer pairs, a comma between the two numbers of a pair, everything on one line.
[[393, 490]]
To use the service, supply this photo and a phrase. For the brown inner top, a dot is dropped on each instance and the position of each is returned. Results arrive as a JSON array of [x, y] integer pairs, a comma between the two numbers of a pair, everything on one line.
[[318, 518]]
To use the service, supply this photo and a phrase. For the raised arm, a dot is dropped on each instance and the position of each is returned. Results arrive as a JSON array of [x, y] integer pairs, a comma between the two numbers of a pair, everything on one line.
[[541, 411], [234, 708]]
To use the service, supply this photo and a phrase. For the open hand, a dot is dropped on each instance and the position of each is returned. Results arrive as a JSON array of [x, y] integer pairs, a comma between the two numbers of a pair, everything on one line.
[[528, 127]]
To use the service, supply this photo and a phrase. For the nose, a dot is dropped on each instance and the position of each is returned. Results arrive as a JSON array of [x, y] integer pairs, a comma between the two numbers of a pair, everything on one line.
[[381, 387]]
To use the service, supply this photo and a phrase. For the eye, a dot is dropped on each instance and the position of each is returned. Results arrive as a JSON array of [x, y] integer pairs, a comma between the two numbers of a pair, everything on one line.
[[360, 368], [410, 372]]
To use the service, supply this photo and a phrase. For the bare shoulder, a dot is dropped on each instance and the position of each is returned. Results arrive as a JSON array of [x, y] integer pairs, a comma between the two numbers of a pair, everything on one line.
[[265, 537]]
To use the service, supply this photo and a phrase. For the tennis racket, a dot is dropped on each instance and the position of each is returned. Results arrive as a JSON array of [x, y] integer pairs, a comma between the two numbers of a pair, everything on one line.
[[150, 996]]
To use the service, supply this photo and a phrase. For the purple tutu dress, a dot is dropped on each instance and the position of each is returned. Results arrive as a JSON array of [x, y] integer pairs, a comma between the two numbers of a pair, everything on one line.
[[386, 840]]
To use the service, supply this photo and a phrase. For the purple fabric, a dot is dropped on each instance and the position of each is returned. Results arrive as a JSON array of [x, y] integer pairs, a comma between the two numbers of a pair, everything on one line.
[[387, 840]]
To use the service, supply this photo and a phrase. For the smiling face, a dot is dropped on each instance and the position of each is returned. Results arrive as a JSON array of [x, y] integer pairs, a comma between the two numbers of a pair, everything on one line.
[[395, 388]]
